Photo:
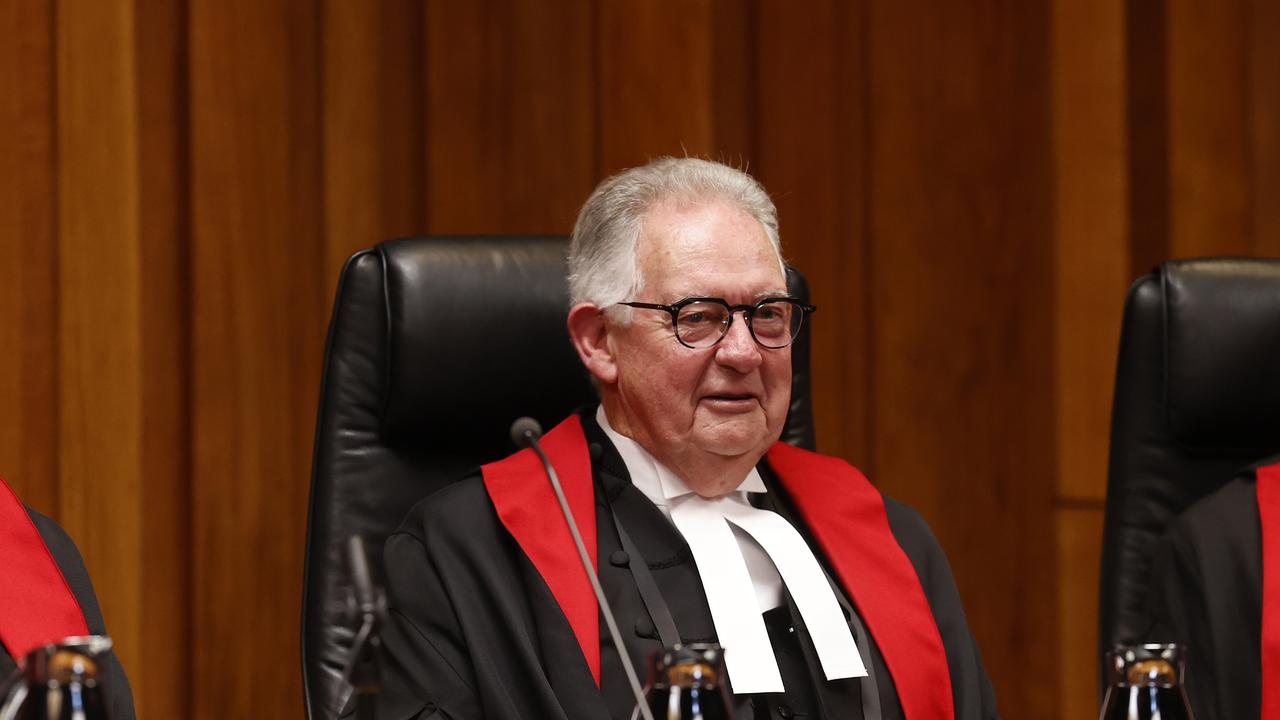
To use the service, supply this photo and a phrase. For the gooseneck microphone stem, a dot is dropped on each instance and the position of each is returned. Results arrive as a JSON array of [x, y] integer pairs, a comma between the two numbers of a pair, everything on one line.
[[368, 607], [526, 432]]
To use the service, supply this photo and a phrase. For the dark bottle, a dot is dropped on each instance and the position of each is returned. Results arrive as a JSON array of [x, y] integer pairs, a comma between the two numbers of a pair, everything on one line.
[[687, 683], [59, 681], [1145, 683]]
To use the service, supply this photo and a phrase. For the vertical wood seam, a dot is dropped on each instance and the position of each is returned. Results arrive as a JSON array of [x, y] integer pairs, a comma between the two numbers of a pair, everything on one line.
[[55, 249], [867, 275]]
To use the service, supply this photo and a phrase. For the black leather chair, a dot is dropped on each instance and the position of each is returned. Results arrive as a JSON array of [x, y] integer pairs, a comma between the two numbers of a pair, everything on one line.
[[1197, 398], [436, 345]]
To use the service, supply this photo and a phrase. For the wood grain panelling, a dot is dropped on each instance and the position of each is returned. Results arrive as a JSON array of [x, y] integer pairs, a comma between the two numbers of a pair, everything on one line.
[[1147, 100], [1079, 541], [163, 502], [970, 187], [28, 260], [811, 154], [1091, 260], [373, 127], [961, 222], [1264, 106], [510, 117], [655, 103], [258, 335], [1209, 128], [100, 306], [122, 354], [735, 75]]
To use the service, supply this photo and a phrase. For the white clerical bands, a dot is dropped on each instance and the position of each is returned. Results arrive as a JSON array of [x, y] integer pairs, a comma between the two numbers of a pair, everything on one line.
[[739, 622]]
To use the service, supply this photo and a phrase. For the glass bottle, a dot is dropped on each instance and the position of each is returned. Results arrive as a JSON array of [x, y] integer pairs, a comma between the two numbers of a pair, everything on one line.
[[1145, 683], [687, 683], [59, 681]]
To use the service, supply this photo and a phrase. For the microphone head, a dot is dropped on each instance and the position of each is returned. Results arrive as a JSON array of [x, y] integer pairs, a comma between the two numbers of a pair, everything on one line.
[[361, 579], [523, 430]]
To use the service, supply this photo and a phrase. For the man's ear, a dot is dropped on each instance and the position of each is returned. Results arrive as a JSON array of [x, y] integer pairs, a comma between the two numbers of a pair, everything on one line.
[[590, 335]]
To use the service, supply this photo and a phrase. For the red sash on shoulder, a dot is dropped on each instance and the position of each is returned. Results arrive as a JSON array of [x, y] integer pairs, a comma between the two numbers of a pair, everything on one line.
[[36, 604], [527, 507], [1268, 488], [847, 516], [844, 510]]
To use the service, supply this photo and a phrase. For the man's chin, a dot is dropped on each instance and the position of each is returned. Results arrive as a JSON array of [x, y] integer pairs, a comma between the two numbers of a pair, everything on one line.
[[731, 446]]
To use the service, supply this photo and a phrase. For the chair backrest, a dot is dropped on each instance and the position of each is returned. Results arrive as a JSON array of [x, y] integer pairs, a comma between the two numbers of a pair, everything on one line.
[[1197, 398], [435, 346]]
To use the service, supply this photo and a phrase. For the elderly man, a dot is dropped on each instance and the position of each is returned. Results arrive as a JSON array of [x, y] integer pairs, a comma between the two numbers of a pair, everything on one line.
[[831, 601]]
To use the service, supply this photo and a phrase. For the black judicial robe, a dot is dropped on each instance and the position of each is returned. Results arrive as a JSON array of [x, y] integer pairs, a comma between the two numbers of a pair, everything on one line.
[[1206, 593], [67, 557], [476, 632]]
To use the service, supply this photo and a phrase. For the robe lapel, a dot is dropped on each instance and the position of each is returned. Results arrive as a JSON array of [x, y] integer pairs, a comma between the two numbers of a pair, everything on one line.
[[847, 516], [36, 604], [527, 507], [1268, 488]]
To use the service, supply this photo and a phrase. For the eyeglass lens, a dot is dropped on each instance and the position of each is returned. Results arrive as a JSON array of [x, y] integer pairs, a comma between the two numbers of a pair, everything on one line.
[[774, 324]]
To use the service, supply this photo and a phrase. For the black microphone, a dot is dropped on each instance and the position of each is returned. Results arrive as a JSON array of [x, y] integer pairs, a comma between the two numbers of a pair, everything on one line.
[[525, 432], [361, 580], [368, 605]]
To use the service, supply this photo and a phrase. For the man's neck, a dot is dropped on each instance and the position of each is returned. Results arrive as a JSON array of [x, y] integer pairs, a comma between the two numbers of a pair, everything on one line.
[[707, 474]]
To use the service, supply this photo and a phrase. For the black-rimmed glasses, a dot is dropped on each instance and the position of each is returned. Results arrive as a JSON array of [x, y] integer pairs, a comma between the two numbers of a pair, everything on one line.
[[700, 322]]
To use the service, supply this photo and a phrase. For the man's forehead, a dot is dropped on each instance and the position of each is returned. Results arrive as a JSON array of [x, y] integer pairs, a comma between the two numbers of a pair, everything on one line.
[[679, 290]]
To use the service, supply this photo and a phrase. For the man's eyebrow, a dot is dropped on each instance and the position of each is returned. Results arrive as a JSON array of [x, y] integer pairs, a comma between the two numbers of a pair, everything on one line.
[[772, 293]]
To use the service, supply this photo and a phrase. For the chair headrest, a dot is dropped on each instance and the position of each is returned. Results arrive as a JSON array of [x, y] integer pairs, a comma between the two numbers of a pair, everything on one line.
[[1222, 335], [449, 304]]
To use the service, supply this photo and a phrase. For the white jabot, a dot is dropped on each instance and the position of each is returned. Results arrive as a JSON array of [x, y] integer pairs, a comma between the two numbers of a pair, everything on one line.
[[740, 557]]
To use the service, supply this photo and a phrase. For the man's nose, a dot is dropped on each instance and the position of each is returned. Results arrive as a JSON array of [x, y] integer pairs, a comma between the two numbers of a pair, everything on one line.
[[737, 348]]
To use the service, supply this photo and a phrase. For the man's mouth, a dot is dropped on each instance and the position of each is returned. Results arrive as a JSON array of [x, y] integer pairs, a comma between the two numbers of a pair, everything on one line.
[[732, 402]]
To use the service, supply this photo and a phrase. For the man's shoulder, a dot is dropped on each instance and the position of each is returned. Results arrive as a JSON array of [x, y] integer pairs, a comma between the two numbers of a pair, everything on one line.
[[911, 531], [1224, 523], [1228, 505], [451, 509], [70, 563], [907, 525], [55, 538], [902, 515]]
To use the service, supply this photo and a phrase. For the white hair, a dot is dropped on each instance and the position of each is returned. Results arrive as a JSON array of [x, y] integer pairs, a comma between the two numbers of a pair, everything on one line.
[[602, 251]]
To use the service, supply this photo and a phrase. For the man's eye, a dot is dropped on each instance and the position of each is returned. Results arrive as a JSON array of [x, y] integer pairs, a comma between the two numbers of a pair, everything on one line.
[[694, 318]]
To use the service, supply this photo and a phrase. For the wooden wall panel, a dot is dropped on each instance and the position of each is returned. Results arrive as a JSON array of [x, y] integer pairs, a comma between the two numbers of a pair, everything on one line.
[[100, 304], [655, 103], [258, 336], [811, 154], [1091, 274], [969, 188], [1091, 222], [734, 40], [1147, 132], [374, 179], [1079, 545], [1264, 123], [961, 208], [28, 258], [121, 314], [1209, 128], [163, 502], [510, 104]]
